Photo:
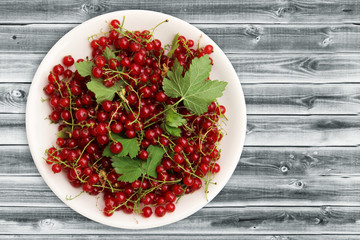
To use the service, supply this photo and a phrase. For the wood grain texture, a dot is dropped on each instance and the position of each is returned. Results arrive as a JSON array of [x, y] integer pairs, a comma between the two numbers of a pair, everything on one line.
[[251, 68], [186, 236], [256, 190], [234, 38], [264, 177], [261, 99], [299, 174], [255, 161], [200, 11], [227, 221], [317, 130]]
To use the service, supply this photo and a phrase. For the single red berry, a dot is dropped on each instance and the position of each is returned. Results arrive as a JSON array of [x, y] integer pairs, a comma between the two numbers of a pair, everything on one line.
[[160, 211], [102, 139], [58, 69], [188, 181], [93, 179], [190, 43], [170, 197], [208, 49], [114, 64], [143, 154], [116, 147], [116, 127], [100, 61], [115, 23], [97, 72], [170, 207], [135, 47], [56, 168], [177, 190], [197, 184], [107, 211], [178, 148], [161, 97], [49, 89], [215, 168], [146, 212], [120, 197], [110, 203], [81, 114], [221, 109], [130, 133], [68, 60], [179, 158], [55, 116], [136, 184], [150, 134], [103, 41]]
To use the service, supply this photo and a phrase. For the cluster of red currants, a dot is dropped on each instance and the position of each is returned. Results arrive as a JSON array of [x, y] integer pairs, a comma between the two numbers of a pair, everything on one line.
[[136, 113]]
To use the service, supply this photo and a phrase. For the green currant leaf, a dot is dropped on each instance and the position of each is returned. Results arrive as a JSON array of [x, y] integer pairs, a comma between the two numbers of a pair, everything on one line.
[[155, 155], [84, 68], [108, 54], [174, 45], [130, 169], [102, 92], [107, 152], [174, 119], [193, 88], [64, 133], [130, 145], [173, 130]]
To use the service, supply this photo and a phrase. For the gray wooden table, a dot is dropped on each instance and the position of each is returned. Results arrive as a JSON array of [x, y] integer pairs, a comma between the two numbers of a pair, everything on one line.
[[299, 65]]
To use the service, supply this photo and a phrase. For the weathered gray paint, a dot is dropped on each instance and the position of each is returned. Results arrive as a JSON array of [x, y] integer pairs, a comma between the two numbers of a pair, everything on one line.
[[299, 62]]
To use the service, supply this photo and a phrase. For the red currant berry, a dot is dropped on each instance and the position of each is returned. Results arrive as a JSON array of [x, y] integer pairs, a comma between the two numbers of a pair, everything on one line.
[[56, 168], [68, 60], [143, 154], [81, 114], [160, 211], [116, 147], [115, 23], [170, 207], [146, 212]]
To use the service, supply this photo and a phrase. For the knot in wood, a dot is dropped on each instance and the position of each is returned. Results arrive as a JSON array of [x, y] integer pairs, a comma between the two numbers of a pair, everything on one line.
[[326, 42], [46, 223], [17, 96], [253, 31], [92, 8], [283, 11], [284, 169], [326, 210], [17, 93]]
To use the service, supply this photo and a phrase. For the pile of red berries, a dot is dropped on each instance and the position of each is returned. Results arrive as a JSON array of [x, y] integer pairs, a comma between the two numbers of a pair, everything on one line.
[[137, 111]]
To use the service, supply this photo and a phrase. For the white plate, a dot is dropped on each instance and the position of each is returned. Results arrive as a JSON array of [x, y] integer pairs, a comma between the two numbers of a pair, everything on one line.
[[41, 134]]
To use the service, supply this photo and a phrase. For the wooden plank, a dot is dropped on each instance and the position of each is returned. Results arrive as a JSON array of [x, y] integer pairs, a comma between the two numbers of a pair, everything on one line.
[[255, 161], [12, 128], [302, 98], [265, 176], [234, 38], [261, 99], [251, 68], [184, 236], [256, 190], [302, 130], [228, 221], [300, 68], [202, 11], [317, 130]]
